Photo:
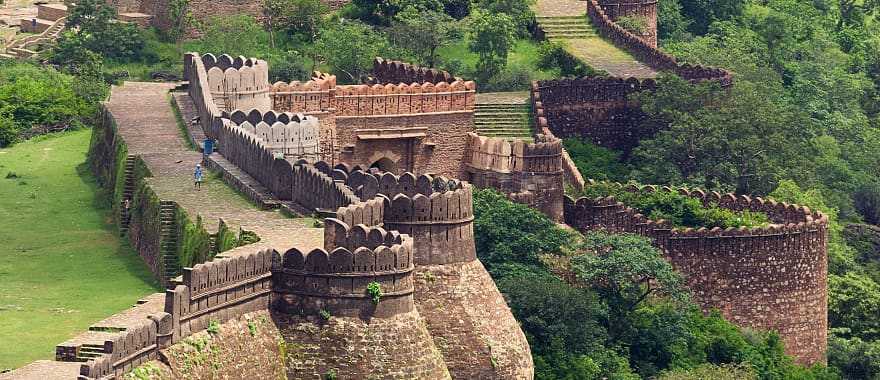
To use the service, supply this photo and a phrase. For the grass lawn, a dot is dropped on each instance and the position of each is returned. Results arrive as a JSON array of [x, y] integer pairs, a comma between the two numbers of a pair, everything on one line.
[[523, 54], [62, 267]]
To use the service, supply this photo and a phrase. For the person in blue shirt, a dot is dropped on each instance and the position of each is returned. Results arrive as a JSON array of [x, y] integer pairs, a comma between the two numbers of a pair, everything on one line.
[[198, 177]]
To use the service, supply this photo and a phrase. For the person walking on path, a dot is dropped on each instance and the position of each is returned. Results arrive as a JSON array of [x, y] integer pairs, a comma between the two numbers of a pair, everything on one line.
[[198, 176]]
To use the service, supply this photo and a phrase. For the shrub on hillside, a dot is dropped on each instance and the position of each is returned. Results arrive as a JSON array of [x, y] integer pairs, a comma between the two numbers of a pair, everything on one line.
[[513, 78], [596, 162], [33, 97], [678, 209], [553, 55]]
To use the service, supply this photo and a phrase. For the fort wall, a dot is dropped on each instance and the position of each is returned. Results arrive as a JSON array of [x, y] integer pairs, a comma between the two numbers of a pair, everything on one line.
[[648, 53], [529, 173], [387, 71], [642, 9], [335, 279], [769, 278], [598, 109]]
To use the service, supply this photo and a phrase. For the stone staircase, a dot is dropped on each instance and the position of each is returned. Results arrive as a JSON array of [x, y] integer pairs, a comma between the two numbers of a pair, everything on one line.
[[508, 120], [50, 22], [127, 195], [168, 238], [566, 27]]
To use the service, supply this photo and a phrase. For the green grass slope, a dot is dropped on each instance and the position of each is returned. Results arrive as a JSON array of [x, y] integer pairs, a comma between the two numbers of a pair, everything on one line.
[[61, 265]]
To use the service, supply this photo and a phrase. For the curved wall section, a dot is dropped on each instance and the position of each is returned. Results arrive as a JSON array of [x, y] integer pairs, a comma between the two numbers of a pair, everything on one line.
[[770, 278]]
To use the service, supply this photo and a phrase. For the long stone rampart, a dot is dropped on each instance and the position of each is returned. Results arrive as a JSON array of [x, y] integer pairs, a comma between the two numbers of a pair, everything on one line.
[[317, 191], [642, 9], [770, 278], [648, 53], [598, 109]]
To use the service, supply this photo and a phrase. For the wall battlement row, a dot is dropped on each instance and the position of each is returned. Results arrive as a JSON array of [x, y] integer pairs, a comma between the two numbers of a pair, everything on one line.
[[375, 100], [771, 278], [386, 71], [643, 9], [296, 136], [529, 173], [648, 53], [337, 280], [503, 156], [240, 88]]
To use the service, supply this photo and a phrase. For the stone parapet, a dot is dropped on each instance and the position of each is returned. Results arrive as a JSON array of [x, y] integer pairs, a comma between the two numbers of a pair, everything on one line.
[[769, 278]]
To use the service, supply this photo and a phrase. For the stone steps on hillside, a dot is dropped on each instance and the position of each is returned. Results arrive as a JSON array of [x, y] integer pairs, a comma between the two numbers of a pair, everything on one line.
[[566, 27], [509, 120]]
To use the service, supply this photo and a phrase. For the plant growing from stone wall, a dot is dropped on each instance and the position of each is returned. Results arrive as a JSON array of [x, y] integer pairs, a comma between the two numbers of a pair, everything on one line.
[[226, 239], [374, 290], [195, 242]]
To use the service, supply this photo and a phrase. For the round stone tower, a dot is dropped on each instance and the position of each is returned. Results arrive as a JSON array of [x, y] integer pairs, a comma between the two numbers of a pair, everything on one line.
[[466, 314], [348, 309], [644, 9]]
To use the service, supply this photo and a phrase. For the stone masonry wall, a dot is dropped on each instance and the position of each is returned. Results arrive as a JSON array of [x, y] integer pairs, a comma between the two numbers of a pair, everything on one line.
[[770, 278], [385, 71], [598, 109], [470, 322], [437, 145], [643, 9], [531, 174], [398, 347]]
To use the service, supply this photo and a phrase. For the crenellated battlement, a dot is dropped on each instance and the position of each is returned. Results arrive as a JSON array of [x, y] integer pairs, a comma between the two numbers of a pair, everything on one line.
[[771, 277], [292, 135], [336, 279], [529, 173], [385, 71], [238, 83], [322, 94]]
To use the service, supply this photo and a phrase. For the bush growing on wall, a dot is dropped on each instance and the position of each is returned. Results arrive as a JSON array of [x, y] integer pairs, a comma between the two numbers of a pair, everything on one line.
[[678, 209]]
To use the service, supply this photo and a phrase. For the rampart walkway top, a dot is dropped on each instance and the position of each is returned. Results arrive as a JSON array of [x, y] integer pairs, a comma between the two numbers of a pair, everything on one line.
[[147, 123], [566, 21]]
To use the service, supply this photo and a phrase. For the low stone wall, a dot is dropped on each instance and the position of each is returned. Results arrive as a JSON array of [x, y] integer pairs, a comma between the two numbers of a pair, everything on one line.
[[769, 278]]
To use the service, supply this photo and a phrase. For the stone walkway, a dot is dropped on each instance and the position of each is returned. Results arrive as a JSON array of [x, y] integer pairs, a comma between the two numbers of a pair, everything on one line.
[[146, 121], [589, 46]]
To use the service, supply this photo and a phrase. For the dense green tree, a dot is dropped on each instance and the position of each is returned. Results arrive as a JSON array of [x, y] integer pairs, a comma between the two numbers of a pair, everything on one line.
[[716, 138], [514, 233], [854, 303], [234, 35], [520, 12], [855, 358], [350, 48], [302, 18], [423, 32], [96, 30], [492, 36]]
